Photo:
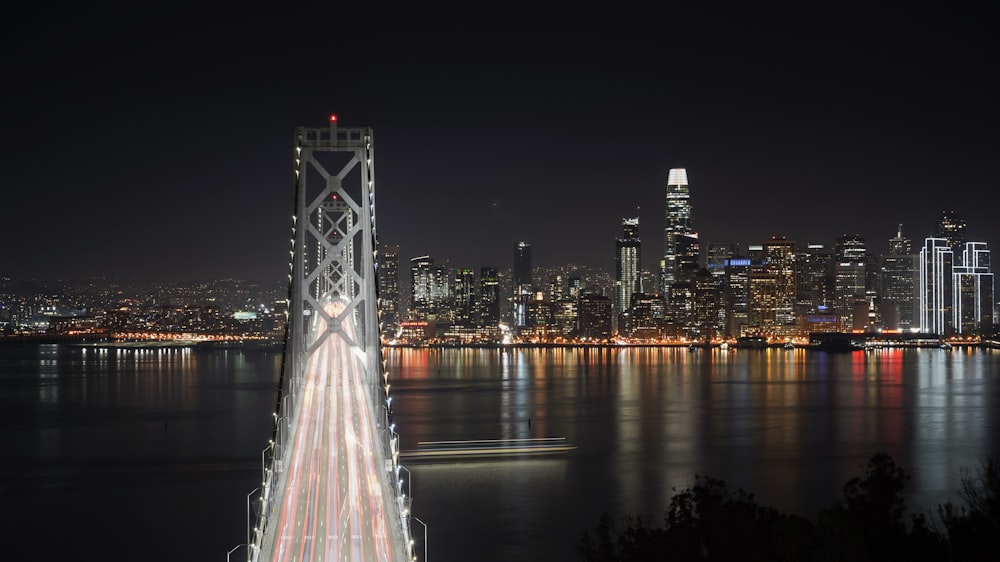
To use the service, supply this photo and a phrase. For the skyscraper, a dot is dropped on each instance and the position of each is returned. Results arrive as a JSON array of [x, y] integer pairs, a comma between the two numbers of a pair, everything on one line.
[[781, 261], [489, 299], [935, 286], [899, 267], [464, 295], [680, 241], [522, 264], [772, 287], [388, 290], [952, 228], [849, 278], [522, 282], [972, 307], [813, 291], [420, 286], [628, 260]]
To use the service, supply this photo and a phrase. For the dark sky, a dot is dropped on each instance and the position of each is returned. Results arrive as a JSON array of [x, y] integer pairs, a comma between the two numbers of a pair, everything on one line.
[[157, 141]]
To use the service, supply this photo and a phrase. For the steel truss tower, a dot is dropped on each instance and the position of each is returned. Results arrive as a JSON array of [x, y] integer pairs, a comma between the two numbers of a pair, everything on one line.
[[334, 247], [333, 286]]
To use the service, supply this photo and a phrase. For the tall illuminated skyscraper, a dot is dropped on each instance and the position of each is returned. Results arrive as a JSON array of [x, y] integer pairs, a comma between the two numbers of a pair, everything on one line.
[[522, 282], [680, 241], [935, 286], [489, 299], [899, 267], [972, 305], [388, 290], [951, 227], [813, 289], [850, 279], [628, 265]]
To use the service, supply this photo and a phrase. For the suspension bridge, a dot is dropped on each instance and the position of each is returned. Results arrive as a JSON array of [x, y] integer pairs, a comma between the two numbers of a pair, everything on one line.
[[331, 486]]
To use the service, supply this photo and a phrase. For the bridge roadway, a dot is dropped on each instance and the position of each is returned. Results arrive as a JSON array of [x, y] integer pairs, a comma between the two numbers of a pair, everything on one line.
[[337, 492]]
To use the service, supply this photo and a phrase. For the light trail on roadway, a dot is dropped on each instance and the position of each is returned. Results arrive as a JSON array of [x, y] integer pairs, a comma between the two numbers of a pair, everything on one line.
[[337, 499]]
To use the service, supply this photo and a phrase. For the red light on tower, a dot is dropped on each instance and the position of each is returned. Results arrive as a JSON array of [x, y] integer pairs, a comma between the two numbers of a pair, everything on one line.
[[333, 118]]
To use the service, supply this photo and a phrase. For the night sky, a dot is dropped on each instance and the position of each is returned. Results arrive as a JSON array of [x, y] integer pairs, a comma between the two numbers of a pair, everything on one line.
[[157, 142]]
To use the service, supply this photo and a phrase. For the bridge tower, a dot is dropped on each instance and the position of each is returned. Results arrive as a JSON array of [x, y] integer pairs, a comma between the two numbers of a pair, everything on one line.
[[333, 264]]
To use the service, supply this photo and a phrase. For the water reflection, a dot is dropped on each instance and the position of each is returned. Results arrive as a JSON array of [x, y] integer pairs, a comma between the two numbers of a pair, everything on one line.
[[791, 426]]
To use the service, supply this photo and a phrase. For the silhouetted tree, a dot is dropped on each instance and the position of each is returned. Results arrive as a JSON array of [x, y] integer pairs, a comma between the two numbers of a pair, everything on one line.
[[973, 529], [871, 524], [704, 522], [708, 522]]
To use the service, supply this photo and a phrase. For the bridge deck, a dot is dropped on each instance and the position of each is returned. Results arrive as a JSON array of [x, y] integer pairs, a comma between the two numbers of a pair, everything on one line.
[[336, 501]]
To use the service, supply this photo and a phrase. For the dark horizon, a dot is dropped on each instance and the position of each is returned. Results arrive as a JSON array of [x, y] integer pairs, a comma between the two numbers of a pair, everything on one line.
[[163, 149]]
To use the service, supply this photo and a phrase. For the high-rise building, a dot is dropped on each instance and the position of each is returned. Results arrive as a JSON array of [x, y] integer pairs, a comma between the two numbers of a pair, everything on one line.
[[898, 287], [935, 286], [772, 287], [464, 295], [706, 305], [972, 307], [431, 289], [680, 241], [565, 315], [489, 298], [388, 290], [522, 264], [719, 253], [420, 286], [522, 282], [780, 260], [737, 289], [813, 291], [951, 227], [628, 260], [850, 279], [595, 312]]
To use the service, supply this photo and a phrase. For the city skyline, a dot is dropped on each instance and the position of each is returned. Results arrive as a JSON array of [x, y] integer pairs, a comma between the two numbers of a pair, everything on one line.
[[164, 149]]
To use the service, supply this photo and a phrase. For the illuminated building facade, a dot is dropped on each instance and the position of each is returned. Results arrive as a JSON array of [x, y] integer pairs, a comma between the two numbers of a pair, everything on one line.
[[388, 290], [951, 227], [780, 261], [464, 295], [898, 287], [565, 316], [489, 298], [431, 288], [680, 241], [715, 261], [642, 322], [706, 305], [772, 287], [522, 282], [973, 300], [935, 286], [595, 317], [812, 280], [849, 277], [628, 260], [736, 287]]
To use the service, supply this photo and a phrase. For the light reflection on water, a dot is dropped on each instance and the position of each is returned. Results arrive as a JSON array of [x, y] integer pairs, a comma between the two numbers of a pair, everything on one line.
[[790, 426]]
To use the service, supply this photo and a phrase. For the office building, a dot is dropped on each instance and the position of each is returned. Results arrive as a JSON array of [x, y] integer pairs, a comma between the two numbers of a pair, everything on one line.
[[522, 282], [898, 286], [934, 287], [951, 227], [489, 300], [388, 291], [850, 279], [813, 289], [973, 301], [680, 241], [628, 260]]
